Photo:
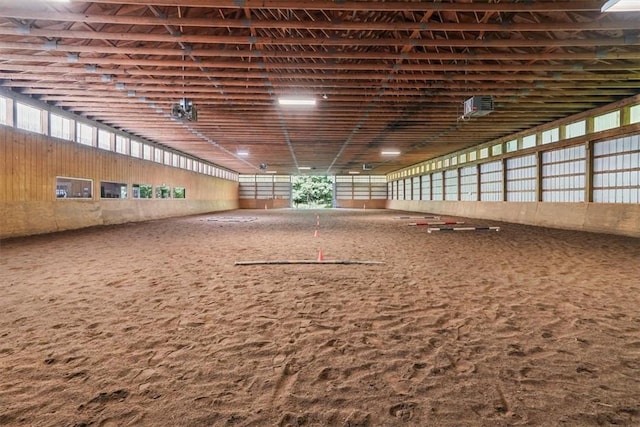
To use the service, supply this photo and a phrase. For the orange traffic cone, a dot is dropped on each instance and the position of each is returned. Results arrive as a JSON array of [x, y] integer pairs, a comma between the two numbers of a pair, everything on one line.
[[364, 206], [320, 256], [265, 206], [315, 234]]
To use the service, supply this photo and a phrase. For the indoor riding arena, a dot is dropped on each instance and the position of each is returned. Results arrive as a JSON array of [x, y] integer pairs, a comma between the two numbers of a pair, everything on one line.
[[327, 213]]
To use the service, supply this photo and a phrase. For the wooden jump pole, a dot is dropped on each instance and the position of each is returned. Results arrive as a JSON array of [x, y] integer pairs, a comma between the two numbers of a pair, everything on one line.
[[436, 223], [463, 229], [308, 261], [418, 217]]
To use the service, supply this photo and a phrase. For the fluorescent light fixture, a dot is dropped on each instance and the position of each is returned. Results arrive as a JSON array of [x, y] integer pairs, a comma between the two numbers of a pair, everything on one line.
[[243, 153], [621, 6], [304, 168], [308, 102], [354, 173], [390, 153], [271, 172]]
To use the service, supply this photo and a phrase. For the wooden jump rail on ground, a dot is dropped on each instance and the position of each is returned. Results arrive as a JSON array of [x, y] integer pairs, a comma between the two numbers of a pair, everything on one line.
[[308, 261], [435, 223], [231, 219], [417, 217], [463, 229]]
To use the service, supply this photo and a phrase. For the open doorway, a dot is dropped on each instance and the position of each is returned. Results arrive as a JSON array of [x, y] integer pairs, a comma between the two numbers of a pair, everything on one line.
[[312, 192]]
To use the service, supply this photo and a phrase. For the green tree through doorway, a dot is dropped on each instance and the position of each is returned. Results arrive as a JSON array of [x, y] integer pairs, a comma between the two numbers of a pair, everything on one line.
[[312, 191]]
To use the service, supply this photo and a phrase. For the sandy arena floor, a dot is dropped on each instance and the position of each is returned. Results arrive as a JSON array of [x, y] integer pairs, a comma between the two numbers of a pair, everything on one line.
[[152, 324]]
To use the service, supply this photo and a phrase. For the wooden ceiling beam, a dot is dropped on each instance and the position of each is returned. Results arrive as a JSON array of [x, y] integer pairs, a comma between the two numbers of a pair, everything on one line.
[[211, 66], [21, 79], [302, 78], [422, 25], [388, 6], [265, 99], [317, 41], [599, 54], [150, 91]]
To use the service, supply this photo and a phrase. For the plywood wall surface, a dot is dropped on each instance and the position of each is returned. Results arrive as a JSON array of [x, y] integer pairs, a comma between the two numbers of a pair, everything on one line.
[[30, 163]]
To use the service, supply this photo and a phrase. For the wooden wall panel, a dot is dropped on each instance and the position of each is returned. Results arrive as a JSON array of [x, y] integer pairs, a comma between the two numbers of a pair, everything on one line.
[[361, 204], [620, 218], [4, 164], [30, 164]]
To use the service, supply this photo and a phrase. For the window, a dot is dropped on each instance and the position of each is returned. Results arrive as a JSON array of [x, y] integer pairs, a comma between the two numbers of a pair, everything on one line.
[[616, 175], [163, 192], [73, 188], [437, 189], [84, 134], [634, 114], [451, 185], [563, 174], [142, 191], [104, 139], [122, 144], [147, 152], [551, 135], [60, 127], [521, 178], [575, 129], [511, 145], [28, 118], [179, 193], [158, 155], [606, 121], [5, 108], [484, 153], [469, 183], [472, 156], [135, 148], [529, 141], [113, 190], [496, 150], [491, 182]]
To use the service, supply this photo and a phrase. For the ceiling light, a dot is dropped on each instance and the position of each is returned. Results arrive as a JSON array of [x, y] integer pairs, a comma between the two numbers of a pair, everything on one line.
[[304, 168], [621, 6], [354, 173], [271, 172], [390, 153], [243, 153], [308, 102]]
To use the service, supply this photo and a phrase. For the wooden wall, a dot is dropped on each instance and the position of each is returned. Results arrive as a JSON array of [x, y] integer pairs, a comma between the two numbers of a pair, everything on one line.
[[30, 163], [361, 204], [612, 218], [264, 203]]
